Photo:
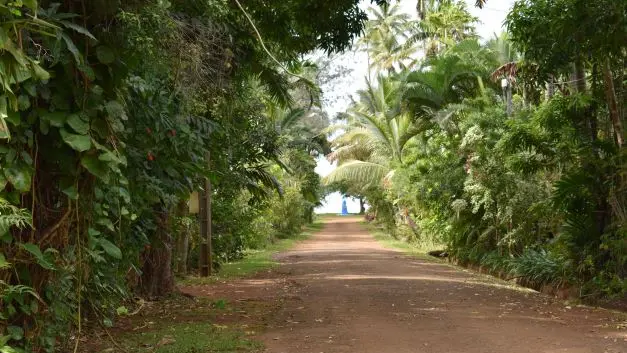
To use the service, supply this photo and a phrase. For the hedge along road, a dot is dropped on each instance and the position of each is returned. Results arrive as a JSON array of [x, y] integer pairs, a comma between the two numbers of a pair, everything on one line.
[[350, 294]]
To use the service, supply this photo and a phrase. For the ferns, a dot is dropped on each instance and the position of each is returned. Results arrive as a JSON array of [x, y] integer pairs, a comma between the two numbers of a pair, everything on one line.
[[11, 216]]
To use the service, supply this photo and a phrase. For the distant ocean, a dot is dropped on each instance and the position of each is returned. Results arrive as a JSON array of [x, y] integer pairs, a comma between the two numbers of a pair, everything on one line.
[[333, 204]]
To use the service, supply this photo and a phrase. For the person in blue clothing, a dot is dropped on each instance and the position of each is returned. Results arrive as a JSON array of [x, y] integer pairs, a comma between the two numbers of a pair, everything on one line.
[[344, 208]]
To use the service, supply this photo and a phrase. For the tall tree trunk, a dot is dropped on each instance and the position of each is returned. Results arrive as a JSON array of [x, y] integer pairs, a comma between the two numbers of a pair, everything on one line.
[[510, 104], [157, 279], [610, 97], [206, 259]]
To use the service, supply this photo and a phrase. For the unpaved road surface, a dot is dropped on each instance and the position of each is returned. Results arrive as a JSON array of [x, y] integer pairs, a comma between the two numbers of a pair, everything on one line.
[[347, 293]]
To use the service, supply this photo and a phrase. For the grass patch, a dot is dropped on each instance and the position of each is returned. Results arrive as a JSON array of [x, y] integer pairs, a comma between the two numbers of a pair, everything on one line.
[[191, 337], [255, 260]]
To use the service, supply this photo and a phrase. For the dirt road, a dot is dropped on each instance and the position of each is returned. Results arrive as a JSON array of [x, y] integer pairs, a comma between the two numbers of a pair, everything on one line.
[[349, 294]]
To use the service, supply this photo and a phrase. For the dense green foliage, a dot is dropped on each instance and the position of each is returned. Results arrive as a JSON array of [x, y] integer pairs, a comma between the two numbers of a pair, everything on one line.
[[527, 180], [113, 112]]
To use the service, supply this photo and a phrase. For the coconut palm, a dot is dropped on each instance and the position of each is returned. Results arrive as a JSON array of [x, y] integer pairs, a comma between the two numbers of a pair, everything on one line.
[[508, 60], [385, 38], [434, 91], [443, 23], [375, 136]]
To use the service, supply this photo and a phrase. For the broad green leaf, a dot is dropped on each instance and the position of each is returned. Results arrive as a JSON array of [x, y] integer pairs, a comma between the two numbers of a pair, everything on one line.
[[19, 176], [106, 222], [110, 248], [80, 143], [56, 119], [115, 110], [79, 29], [110, 157], [35, 251], [96, 167], [105, 55], [3, 262], [78, 124], [71, 192], [72, 47], [92, 232], [39, 72]]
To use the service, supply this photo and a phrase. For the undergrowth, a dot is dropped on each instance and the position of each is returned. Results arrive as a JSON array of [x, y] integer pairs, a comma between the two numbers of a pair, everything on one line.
[[254, 261]]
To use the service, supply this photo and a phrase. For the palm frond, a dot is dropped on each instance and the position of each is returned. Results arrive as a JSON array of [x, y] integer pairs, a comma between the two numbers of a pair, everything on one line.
[[358, 172]]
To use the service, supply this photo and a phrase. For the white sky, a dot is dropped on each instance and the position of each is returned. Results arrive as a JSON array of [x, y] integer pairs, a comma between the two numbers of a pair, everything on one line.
[[338, 93]]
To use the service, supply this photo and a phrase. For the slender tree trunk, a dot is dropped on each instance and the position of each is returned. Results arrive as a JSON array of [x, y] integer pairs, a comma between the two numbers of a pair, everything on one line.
[[507, 97], [610, 96], [206, 259], [362, 206], [510, 104]]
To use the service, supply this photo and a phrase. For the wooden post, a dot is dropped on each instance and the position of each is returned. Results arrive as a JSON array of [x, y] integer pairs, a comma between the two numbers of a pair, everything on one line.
[[205, 227]]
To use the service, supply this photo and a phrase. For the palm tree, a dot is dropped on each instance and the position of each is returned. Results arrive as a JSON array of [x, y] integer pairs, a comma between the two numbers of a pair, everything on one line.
[[508, 62], [434, 92], [375, 135], [443, 23], [385, 37]]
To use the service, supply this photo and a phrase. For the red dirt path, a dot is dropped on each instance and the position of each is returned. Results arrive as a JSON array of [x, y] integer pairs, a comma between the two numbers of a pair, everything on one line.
[[342, 292]]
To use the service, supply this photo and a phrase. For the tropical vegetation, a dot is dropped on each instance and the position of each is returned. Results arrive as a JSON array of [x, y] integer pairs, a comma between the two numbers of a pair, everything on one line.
[[508, 152], [114, 113]]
